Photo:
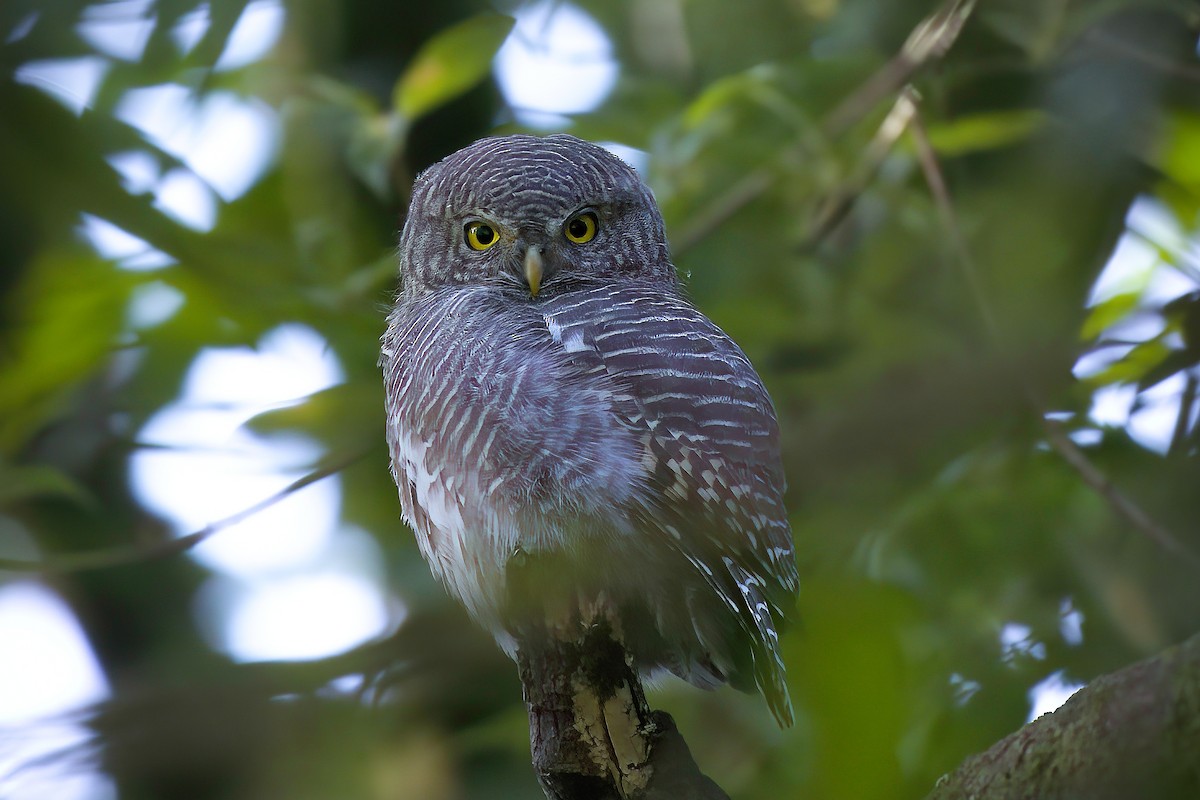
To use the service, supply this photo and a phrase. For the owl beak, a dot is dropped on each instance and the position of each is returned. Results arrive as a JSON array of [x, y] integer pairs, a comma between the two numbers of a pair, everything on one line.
[[533, 270]]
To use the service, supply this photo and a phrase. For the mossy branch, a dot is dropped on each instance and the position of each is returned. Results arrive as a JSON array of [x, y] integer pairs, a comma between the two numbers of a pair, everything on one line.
[[1131, 733]]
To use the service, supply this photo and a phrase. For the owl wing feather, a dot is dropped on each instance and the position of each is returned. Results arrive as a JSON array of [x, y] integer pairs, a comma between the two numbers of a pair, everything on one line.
[[711, 442]]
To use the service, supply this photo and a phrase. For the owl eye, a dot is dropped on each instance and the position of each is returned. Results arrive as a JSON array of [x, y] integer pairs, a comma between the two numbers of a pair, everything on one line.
[[480, 235], [581, 228]]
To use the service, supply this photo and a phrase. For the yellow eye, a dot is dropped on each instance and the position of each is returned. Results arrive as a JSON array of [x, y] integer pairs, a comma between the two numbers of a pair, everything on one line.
[[481, 236], [581, 228]]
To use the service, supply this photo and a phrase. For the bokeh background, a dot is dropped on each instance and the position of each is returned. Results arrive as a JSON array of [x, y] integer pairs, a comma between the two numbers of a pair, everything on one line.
[[977, 309]]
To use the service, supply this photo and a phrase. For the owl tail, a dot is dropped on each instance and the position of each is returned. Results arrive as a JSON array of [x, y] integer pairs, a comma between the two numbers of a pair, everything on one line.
[[757, 616]]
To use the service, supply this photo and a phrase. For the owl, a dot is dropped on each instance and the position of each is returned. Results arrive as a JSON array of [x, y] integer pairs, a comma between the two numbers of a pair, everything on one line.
[[551, 392]]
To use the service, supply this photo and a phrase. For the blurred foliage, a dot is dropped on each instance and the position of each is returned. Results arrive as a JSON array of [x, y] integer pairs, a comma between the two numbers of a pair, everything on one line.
[[932, 503]]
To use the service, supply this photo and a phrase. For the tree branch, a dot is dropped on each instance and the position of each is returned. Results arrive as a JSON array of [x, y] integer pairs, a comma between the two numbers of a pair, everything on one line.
[[1132, 733], [838, 205], [592, 734], [121, 556], [930, 40]]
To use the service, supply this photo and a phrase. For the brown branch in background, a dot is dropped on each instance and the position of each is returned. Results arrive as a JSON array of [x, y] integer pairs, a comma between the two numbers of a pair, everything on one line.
[[927, 158], [121, 556], [838, 205], [1118, 500], [1056, 437], [1127, 49], [744, 192], [930, 40]]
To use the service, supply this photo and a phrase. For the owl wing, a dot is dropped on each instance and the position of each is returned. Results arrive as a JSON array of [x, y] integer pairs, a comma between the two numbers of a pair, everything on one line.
[[711, 448]]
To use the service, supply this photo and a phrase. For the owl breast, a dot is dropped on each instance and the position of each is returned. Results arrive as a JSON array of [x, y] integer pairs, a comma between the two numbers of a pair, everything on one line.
[[502, 441]]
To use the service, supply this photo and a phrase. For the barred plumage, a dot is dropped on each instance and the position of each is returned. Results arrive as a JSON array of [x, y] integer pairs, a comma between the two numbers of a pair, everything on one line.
[[604, 419]]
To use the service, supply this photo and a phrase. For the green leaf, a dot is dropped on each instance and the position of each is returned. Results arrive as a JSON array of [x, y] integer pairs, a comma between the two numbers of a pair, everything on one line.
[[1135, 366], [18, 483], [988, 131], [1186, 309], [1179, 150], [69, 313], [372, 149], [1107, 313], [719, 96], [1174, 362], [450, 64], [345, 417]]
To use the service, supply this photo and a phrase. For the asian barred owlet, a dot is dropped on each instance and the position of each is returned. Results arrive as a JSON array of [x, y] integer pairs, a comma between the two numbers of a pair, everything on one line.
[[551, 391]]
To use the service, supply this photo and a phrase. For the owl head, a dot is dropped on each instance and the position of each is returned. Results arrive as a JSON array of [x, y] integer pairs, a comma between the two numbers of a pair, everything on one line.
[[533, 216]]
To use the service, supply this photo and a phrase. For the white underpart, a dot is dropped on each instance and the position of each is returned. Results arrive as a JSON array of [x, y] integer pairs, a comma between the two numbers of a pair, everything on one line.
[[466, 548], [443, 510]]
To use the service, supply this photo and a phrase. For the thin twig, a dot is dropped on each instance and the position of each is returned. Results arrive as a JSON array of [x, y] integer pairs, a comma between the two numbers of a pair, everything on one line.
[[1183, 422], [121, 556], [729, 203], [838, 205], [927, 157], [1118, 500], [1131, 51], [1056, 436], [930, 40]]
